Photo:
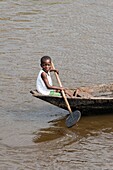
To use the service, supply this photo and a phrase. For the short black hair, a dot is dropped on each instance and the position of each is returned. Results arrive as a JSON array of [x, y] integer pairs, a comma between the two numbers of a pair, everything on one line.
[[45, 58]]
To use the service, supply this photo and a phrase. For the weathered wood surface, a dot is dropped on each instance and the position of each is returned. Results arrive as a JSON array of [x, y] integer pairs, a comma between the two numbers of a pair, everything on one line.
[[89, 100]]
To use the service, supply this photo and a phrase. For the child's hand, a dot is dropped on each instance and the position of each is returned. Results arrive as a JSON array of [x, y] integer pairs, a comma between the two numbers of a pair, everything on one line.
[[56, 71]]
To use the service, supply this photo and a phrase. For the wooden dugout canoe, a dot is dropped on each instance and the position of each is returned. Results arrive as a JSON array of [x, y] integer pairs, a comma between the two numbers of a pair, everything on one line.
[[97, 99]]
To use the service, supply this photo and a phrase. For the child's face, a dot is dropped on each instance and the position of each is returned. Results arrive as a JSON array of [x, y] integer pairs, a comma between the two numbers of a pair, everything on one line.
[[46, 65]]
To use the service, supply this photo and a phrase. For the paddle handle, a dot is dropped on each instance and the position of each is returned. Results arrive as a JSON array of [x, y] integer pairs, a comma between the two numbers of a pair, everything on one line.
[[63, 93]]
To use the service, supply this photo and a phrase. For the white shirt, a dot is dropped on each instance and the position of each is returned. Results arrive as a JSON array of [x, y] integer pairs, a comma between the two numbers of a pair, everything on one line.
[[40, 85]]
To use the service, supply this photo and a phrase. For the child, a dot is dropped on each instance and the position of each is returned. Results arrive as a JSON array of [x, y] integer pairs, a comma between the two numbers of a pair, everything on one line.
[[44, 82]]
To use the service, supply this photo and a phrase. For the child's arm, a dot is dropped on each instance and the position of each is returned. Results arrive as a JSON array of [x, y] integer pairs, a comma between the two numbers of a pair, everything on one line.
[[44, 78]]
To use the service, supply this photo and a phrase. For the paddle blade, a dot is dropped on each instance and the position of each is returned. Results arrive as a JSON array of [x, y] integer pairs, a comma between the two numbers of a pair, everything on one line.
[[73, 118]]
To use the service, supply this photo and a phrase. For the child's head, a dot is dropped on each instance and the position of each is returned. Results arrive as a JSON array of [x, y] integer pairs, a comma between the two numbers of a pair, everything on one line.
[[46, 63], [44, 58]]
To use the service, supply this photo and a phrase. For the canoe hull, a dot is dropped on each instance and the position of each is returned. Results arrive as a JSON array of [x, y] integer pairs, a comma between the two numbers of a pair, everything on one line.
[[86, 106], [98, 104]]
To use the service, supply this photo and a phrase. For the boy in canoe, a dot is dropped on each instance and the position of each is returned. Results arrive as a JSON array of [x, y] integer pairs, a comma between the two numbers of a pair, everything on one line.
[[44, 82]]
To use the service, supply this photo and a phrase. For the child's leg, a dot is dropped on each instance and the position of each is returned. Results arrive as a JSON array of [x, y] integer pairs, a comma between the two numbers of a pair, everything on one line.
[[69, 93]]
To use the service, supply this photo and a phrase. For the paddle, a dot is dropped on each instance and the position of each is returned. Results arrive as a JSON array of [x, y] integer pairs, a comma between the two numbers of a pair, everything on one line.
[[74, 117]]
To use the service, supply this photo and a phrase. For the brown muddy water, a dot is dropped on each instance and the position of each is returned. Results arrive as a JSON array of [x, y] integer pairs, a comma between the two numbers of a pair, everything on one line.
[[78, 35]]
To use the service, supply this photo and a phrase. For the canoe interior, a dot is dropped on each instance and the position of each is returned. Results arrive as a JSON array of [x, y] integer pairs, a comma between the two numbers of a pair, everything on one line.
[[95, 100], [99, 90]]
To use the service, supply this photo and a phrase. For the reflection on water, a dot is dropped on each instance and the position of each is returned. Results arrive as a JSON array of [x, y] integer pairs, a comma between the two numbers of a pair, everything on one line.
[[88, 144], [87, 126], [78, 37]]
